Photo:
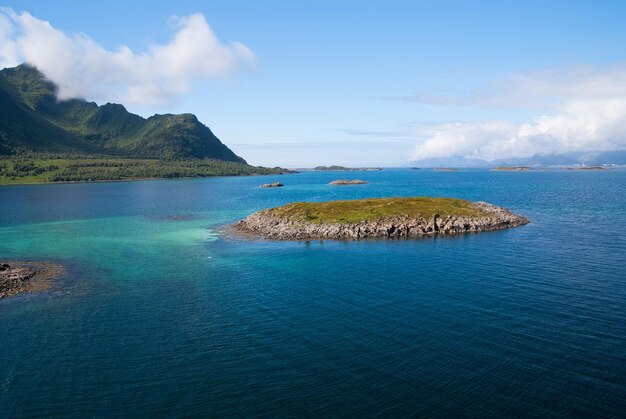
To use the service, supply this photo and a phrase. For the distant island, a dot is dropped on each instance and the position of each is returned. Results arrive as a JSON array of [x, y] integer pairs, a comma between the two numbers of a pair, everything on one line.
[[341, 182], [377, 218], [512, 169], [588, 158], [445, 169], [586, 168], [345, 169], [43, 139]]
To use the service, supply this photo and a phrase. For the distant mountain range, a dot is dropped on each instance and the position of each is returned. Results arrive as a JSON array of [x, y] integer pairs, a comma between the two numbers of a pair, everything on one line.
[[589, 158], [32, 119]]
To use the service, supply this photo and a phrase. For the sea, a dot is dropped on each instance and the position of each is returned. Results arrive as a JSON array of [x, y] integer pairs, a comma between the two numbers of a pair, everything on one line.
[[163, 313]]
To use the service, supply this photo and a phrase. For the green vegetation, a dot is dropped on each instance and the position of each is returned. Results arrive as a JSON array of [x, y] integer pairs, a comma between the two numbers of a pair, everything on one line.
[[33, 120], [330, 168], [43, 139], [375, 209], [39, 168]]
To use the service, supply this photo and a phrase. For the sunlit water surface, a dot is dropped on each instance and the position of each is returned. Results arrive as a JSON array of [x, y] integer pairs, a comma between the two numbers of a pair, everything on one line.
[[160, 314]]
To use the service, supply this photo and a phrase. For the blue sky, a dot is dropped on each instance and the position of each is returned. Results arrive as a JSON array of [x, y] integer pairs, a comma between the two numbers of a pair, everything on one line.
[[380, 83]]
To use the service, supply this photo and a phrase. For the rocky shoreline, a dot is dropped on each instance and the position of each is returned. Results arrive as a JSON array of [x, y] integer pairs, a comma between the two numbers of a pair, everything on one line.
[[268, 225], [18, 277]]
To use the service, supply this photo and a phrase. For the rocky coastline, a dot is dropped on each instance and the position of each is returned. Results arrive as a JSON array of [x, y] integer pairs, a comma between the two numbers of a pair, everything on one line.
[[19, 277], [268, 224]]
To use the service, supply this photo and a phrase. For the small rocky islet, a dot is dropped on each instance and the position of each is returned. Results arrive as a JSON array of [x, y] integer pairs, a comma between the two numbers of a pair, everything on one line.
[[18, 277], [272, 185], [512, 169], [377, 218], [342, 182]]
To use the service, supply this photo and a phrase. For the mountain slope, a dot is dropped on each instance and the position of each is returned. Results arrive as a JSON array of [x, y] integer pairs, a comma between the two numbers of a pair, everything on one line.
[[21, 128], [31, 118]]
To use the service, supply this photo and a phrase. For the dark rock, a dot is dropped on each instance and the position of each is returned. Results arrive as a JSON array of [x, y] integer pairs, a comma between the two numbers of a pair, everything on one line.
[[272, 185], [18, 277]]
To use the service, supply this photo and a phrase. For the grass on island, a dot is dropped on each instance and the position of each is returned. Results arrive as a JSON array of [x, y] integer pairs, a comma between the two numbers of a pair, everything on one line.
[[40, 168], [375, 209]]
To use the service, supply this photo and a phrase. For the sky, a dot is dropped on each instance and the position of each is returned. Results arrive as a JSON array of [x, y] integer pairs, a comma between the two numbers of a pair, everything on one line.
[[360, 83]]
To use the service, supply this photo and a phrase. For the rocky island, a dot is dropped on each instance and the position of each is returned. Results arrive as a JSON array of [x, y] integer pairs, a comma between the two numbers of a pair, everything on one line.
[[335, 168], [272, 185], [377, 218], [512, 169], [586, 168], [19, 277], [348, 182]]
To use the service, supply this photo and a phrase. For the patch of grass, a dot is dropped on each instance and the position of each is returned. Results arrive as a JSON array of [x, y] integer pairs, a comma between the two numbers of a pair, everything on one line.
[[40, 168], [376, 209]]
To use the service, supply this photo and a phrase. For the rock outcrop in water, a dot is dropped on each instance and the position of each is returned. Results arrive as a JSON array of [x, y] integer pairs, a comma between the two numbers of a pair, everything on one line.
[[298, 221], [18, 277], [348, 182], [272, 185]]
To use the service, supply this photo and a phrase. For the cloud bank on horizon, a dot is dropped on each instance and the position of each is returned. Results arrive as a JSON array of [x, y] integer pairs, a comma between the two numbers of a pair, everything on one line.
[[582, 109], [83, 68]]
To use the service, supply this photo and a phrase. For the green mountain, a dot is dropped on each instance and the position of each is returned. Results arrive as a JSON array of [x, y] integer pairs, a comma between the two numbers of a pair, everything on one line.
[[32, 119]]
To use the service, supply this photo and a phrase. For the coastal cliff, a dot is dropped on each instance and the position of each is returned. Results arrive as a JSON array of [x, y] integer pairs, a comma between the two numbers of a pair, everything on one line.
[[377, 218]]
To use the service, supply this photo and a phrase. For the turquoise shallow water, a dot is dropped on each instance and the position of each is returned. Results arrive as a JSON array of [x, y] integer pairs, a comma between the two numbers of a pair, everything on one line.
[[159, 314]]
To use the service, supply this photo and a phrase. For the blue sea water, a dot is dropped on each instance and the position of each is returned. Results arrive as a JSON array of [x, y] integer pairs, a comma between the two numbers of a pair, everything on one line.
[[160, 314]]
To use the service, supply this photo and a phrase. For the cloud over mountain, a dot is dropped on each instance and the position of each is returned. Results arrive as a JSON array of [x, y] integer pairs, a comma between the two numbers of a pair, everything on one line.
[[579, 110], [83, 68]]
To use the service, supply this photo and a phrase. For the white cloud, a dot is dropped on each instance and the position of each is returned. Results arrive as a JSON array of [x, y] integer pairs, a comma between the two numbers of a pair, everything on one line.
[[83, 68], [539, 89], [8, 48], [587, 112]]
